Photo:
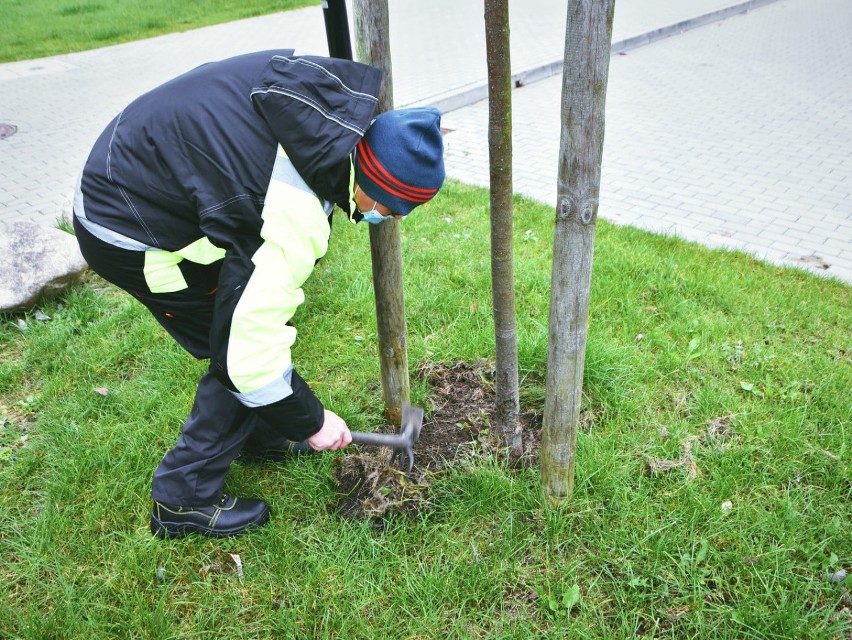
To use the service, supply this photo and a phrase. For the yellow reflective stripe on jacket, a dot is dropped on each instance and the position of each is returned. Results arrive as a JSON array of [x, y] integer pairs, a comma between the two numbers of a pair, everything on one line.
[[202, 251], [161, 270], [295, 233]]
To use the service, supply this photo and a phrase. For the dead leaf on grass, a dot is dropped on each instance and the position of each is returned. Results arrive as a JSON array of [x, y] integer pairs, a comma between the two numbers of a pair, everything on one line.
[[719, 429], [224, 564], [209, 569], [654, 466], [238, 565]]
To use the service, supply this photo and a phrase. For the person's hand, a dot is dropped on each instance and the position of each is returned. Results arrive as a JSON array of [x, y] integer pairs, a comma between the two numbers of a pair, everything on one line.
[[334, 434]]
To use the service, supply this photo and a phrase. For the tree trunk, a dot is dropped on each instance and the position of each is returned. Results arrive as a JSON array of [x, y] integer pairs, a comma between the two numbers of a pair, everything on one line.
[[587, 50], [372, 46], [502, 269]]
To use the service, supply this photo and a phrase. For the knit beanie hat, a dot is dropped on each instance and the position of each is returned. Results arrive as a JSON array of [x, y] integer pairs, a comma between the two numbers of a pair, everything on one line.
[[400, 160]]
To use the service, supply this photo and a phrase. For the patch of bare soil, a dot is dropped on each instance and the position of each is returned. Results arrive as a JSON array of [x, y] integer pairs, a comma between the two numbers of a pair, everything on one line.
[[456, 426]]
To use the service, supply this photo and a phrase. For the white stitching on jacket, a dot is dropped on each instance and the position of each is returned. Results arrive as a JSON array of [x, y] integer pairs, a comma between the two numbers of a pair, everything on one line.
[[328, 73], [311, 103]]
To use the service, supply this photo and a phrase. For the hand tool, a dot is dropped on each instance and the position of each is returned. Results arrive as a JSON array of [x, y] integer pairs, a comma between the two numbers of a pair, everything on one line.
[[403, 442]]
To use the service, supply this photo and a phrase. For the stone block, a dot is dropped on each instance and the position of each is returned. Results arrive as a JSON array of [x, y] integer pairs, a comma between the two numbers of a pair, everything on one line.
[[35, 260]]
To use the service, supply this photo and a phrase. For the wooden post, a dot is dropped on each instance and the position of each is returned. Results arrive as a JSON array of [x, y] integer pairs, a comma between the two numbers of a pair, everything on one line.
[[337, 29], [502, 265], [584, 79], [372, 46]]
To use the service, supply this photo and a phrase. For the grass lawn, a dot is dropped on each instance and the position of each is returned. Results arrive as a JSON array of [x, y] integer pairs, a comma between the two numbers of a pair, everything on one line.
[[37, 28], [737, 371]]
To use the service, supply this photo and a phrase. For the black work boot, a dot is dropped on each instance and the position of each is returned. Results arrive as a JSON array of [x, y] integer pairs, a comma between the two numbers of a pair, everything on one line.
[[229, 517], [281, 453]]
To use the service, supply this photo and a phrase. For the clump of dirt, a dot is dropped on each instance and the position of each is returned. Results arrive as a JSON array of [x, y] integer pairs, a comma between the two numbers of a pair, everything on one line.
[[457, 426]]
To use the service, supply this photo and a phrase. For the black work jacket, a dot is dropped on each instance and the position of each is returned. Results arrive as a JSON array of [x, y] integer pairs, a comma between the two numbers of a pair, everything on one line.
[[189, 171]]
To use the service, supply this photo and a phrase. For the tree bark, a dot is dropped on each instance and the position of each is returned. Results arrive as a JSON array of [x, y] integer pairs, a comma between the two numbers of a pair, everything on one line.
[[587, 51], [502, 268], [372, 46]]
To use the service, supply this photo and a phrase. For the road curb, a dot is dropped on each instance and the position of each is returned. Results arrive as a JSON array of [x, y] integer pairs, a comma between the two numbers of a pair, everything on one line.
[[458, 98], [685, 25]]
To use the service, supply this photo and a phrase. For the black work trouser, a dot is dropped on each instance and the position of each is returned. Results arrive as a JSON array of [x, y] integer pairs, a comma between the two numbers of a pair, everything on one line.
[[193, 472]]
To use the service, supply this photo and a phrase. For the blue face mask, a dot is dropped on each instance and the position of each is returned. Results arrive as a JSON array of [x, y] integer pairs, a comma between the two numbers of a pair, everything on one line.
[[372, 216]]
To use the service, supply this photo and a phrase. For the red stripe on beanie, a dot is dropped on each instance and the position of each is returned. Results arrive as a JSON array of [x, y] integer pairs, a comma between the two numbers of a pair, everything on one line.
[[385, 173], [376, 172]]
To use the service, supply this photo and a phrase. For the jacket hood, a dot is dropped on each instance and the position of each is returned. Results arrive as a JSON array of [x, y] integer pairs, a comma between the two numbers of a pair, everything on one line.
[[327, 106]]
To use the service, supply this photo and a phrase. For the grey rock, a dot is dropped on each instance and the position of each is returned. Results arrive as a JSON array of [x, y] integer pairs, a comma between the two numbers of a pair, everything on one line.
[[836, 577], [66, 209], [35, 260]]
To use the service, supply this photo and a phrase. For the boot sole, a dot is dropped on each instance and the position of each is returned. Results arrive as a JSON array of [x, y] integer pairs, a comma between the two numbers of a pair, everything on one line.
[[166, 529]]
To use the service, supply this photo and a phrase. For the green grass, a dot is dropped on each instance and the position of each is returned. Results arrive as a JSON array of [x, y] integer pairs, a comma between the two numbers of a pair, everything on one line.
[[747, 363], [37, 28]]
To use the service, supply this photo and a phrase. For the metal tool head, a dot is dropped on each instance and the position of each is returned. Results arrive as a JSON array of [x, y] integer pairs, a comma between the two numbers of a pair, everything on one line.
[[412, 422]]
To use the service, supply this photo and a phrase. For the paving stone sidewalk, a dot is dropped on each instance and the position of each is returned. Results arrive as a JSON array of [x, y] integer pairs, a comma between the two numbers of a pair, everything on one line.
[[713, 122], [733, 135]]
